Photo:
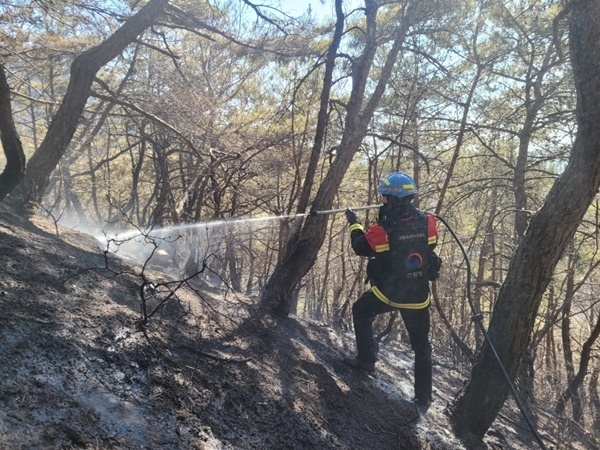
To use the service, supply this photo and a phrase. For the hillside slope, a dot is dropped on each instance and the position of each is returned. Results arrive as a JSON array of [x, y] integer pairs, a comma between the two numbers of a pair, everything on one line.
[[77, 370]]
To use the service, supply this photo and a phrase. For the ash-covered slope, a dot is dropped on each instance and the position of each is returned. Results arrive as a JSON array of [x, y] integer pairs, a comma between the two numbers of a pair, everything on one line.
[[78, 371]]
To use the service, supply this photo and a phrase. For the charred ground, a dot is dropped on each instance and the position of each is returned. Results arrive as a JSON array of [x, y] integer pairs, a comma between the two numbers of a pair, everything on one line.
[[78, 371]]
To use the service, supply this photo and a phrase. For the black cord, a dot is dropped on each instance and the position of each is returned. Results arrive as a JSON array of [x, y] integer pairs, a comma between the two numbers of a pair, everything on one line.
[[477, 318]]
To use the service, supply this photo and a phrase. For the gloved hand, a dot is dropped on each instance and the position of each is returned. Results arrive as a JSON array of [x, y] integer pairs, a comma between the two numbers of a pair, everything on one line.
[[351, 216], [435, 264], [383, 209]]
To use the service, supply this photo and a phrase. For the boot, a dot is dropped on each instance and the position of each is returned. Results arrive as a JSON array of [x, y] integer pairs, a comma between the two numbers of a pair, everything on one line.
[[360, 365]]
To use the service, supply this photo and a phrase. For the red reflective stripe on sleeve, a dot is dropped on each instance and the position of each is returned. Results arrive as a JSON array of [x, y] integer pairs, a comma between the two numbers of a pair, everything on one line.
[[432, 231], [377, 238]]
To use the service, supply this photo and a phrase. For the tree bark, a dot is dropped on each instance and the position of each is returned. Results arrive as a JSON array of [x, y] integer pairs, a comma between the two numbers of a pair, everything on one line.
[[13, 150], [547, 236], [64, 123]]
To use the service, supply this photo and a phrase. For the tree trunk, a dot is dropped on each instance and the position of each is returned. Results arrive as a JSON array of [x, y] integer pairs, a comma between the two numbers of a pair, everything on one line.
[[577, 380], [64, 123], [15, 157], [595, 401], [486, 250], [551, 359], [251, 269], [457, 149], [322, 120], [301, 256], [534, 101], [461, 132], [547, 236], [162, 207], [565, 325], [72, 202]]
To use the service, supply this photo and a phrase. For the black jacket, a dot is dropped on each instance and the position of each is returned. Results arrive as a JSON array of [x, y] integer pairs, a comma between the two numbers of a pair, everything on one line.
[[402, 246]]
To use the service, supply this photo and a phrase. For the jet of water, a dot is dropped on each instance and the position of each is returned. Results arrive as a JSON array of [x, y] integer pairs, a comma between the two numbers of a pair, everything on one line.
[[162, 232], [156, 232]]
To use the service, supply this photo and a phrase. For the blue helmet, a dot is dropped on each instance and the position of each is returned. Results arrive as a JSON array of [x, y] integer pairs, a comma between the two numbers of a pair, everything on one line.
[[397, 184]]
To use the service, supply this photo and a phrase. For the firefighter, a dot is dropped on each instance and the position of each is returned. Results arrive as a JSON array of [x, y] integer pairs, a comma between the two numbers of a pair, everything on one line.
[[401, 245]]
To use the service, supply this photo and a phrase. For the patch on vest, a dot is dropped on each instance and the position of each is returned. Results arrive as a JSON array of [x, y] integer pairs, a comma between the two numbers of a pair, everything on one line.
[[414, 261]]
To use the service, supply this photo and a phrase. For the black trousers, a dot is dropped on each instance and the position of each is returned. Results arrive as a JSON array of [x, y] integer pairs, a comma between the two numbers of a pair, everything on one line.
[[417, 323]]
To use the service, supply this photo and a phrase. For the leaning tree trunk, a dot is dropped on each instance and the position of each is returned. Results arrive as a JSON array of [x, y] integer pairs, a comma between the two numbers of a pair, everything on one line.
[[322, 121], [64, 123], [547, 236], [13, 150], [277, 295]]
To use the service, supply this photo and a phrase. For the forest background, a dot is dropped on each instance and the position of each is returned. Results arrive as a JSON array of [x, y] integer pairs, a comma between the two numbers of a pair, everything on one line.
[[217, 111]]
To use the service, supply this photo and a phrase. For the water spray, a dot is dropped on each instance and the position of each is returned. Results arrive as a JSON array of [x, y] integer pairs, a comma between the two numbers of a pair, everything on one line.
[[241, 220]]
